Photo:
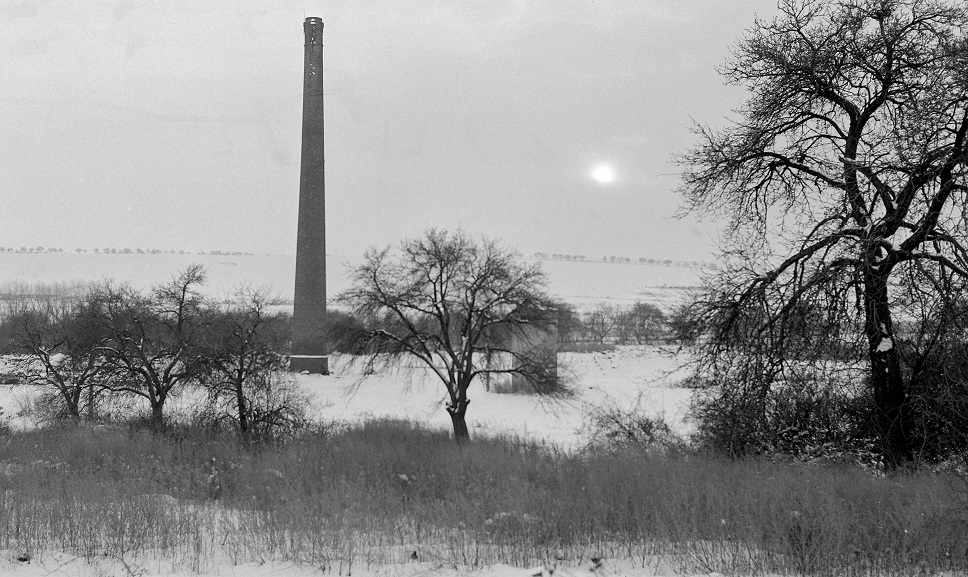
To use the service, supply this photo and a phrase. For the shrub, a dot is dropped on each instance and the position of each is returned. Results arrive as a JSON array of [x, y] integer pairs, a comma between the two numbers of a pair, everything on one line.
[[344, 331], [809, 417], [275, 408], [938, 399], [621, 428], [8, 341]]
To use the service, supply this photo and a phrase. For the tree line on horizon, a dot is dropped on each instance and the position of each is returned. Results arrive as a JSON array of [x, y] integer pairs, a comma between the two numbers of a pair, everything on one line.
[[625, 260], [112, 250]]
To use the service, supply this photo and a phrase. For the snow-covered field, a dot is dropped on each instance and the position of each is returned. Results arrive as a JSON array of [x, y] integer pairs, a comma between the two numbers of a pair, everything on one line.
[[579, 283], [629, 377]]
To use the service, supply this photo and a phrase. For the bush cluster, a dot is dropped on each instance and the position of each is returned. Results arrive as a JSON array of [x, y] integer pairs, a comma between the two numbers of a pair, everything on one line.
[[825, 409]]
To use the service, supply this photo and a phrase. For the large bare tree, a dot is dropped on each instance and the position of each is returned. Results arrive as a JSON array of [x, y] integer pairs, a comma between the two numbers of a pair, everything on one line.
[[844, 172], [455, 305]]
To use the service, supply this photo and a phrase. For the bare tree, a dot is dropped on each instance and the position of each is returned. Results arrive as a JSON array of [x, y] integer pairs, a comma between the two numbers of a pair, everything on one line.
[[242, 347], [601, 322], [642, 322], [684, 323], [845, 168], [568, 323], [154, 339], [454, 304], [62, 343]]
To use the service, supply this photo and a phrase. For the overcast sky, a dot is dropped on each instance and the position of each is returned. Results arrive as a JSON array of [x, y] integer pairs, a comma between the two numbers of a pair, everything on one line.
[[176, 123]]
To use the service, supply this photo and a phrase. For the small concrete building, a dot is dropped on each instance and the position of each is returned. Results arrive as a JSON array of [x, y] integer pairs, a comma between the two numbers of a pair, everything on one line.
[[537, 343]]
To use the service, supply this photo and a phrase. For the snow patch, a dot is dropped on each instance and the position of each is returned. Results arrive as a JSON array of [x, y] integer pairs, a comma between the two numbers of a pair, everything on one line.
[[885, 345]]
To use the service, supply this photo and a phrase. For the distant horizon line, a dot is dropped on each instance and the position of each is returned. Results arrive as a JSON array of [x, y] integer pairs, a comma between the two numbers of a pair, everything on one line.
[[544, 256]]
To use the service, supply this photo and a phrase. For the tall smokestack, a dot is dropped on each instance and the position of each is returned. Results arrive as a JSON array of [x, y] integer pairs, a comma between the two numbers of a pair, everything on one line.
[[309, 349]]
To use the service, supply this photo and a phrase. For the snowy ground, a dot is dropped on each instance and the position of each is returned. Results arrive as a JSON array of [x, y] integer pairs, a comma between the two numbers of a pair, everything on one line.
[[641, 377], [646, 377], [70, 566]]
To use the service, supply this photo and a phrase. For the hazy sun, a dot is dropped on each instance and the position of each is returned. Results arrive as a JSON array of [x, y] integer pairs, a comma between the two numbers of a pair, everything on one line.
[[603, 173]]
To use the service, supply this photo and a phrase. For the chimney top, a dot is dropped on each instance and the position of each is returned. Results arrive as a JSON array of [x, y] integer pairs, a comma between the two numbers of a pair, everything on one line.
[[313, 27]]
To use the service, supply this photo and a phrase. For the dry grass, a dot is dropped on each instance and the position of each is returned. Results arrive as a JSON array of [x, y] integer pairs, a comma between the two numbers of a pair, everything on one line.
[[372, 494]]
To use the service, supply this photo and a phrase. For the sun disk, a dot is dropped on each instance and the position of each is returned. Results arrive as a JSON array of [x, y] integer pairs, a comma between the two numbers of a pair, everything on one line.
[[603, 174]]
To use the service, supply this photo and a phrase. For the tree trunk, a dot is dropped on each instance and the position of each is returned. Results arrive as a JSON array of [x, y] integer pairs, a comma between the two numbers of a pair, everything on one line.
[[891, 417], [73, 408], [243, 415], [457, 413], [90, 402], [157, 414]]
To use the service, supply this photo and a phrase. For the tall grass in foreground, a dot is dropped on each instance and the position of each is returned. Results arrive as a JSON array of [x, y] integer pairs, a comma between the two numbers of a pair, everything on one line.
[[372, 494]]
